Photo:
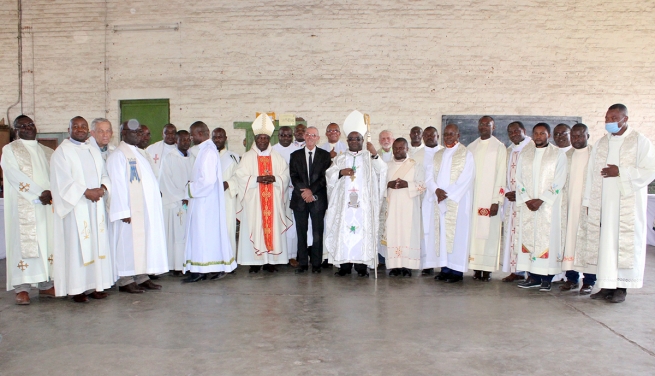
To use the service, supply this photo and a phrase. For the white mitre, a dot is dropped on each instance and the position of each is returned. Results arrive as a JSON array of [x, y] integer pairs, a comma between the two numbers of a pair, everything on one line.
[[263, 125], [355, 123]]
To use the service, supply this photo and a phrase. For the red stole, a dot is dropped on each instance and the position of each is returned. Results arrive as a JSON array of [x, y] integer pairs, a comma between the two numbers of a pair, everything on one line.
[[265, 166]]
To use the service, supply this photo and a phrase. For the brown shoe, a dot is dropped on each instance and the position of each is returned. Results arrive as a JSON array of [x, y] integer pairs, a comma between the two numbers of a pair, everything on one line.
[[98, 295], [293, 263], [49, 293], [23, 298], [80, 298], [568, 286], [132, 288], [513, 277], [149, 285]]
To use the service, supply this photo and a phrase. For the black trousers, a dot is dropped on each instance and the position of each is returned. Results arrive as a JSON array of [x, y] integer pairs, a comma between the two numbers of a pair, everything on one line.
[[359, 268], [301, 218]]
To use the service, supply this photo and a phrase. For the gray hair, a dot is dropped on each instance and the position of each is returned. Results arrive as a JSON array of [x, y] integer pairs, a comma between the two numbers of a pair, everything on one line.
[[313, 127], [387, 131], [94, 122]]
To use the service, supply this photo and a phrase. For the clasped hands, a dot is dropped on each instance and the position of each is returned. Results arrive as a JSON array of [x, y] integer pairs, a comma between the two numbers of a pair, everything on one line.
[[94, 194], [307, 195], [397, 184], [46, 198], [266, 179]]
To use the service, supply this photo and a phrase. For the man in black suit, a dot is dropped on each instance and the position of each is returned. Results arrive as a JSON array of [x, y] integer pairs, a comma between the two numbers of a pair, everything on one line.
[[307, 168]]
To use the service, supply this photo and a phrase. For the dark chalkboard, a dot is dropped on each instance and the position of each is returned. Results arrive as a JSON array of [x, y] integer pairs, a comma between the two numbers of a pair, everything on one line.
[[468, 125]]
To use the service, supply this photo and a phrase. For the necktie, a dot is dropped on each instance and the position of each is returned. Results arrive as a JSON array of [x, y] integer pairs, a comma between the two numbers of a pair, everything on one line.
[[310, 164]]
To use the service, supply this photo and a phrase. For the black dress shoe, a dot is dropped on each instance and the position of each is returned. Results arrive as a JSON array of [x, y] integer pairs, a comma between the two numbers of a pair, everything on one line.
[[477, 275], [194, 277], [486, 277], [395, 272], [454, 278], [425, 272], [153, 277], [442, 276], [407, 272], [325, 264], [254, 269], [316, 270], [363, 274], [302, 269], [270, 268], [217, 276]]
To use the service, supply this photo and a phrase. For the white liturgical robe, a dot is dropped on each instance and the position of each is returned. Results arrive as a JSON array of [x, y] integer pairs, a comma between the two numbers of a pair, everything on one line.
[[352, 220], [453, 170], [619, 203], [541, 174], [208, 247], [229, 164], [490, 165], [83, 259], [577, 172], [263, 211], [140, 246], [510, 229], [175, 174], [339, 147], [28, 224], [292, 237], [424, 158], [157, 152], [402, 226]]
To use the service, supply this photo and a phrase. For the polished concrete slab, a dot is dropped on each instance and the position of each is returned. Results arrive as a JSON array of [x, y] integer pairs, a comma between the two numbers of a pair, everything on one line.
[[282, 323]]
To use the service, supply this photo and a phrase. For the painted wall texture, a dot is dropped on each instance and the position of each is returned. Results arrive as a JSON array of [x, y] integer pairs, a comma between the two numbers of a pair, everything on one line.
[[404, 62]]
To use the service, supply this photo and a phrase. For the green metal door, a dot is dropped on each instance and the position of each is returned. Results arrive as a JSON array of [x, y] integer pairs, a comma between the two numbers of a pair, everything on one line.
[[155, 113]]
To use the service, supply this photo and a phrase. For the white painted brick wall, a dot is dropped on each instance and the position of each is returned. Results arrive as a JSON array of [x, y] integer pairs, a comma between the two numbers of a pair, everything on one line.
[[404, 62]]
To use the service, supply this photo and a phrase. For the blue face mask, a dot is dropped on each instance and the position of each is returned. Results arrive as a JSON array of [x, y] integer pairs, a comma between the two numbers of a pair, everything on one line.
[[612, 127]]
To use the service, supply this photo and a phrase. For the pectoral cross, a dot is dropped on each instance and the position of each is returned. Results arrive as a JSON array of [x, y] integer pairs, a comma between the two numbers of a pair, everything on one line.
[[22, 265], [352, 177], [156, 158], [51, 259], [23, 187], [179, 214]]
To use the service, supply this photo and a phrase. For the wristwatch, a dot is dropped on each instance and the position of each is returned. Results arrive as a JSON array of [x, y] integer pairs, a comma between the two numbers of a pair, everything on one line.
[[315, 197]]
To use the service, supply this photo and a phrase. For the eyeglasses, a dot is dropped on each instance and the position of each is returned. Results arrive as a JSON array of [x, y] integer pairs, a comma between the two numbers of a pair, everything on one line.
[[333, 131], [311, 135], [354, 139]]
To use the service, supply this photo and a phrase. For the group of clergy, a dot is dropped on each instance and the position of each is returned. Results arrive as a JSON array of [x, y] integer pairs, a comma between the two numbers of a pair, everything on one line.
[[89, 215]]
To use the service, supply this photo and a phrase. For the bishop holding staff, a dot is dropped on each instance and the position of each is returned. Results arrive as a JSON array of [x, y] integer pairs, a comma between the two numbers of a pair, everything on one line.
[[356, 184]]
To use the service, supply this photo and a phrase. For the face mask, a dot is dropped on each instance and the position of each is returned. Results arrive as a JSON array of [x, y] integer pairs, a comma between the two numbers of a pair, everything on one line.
[[612, 127]]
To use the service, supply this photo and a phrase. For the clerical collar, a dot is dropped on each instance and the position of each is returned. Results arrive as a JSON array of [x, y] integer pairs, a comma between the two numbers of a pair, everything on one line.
[[182, 154], [75, 141]]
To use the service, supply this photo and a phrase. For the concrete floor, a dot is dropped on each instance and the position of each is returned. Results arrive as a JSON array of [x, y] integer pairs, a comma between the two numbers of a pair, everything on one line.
[[285, 324]]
